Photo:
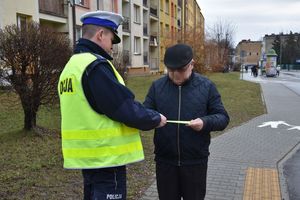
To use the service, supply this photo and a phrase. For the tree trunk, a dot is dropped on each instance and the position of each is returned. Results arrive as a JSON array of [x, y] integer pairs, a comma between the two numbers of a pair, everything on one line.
[[29, 119]]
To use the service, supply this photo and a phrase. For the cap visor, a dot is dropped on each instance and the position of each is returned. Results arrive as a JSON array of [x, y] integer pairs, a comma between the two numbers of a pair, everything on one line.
[[116, 39]]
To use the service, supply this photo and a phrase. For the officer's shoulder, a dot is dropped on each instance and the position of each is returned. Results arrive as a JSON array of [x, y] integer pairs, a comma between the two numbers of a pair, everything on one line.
[[96, 63]]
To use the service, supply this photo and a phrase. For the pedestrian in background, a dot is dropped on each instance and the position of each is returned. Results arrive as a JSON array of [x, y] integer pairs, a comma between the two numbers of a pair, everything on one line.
[[181, 151], [278, 68], [100, 118]]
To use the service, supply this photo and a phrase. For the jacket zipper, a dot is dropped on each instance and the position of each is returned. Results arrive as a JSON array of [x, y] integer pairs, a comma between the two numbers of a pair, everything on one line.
[[179, 106]]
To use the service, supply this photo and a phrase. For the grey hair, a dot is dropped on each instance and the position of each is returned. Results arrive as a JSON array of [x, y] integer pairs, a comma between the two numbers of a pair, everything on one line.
[[89, 30]]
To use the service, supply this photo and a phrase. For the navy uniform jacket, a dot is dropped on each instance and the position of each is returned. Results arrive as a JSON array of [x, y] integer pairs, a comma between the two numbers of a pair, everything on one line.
[[107, 96], [177, 144]]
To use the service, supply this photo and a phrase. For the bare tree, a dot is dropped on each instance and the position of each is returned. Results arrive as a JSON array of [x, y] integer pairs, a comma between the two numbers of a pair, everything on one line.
[[120, 61], [194, 37], [31, 60], [220, 35]]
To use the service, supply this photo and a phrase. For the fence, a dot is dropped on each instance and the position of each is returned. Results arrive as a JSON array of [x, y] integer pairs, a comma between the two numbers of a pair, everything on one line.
[[290, 66]]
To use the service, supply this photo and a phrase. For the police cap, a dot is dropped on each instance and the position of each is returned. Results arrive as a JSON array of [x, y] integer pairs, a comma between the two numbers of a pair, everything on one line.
[[105, 19], [178, 56]]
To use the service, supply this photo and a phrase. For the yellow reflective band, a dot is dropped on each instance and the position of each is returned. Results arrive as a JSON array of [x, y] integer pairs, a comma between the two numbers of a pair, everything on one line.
[[102, 151], [97, 134], [111, 161], [95, 143]]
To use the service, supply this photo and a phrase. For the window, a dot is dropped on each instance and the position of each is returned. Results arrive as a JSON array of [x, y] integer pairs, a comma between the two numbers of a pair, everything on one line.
[[137, 45], [161, 29], [167, 28], [137, 14], [167, 6], [172, 10], [22, 22], [79, 2], [162, 4], [78, 32]]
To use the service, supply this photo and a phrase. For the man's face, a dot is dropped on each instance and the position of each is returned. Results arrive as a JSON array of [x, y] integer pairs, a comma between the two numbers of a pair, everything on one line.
[[105, 38], [179, 76]]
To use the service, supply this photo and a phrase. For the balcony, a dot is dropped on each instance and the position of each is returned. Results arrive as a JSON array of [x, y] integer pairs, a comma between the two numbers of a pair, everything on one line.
[[153, 10], [179, 3], [54, 7], [178, 23], [126, 24], [153, 41], [145, 29], [146, 58], [145, 3], [154, 64], [126, 58]]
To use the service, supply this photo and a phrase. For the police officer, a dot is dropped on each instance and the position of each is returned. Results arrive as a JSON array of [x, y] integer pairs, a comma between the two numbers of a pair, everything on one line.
[[181, 150], [100, 118]]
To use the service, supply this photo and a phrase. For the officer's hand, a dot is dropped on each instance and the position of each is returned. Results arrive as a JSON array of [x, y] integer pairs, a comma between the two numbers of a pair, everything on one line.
[[163, 121], [196, 124]]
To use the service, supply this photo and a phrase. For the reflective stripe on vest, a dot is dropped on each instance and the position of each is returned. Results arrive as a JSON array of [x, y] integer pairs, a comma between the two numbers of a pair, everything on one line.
[[91, 140]]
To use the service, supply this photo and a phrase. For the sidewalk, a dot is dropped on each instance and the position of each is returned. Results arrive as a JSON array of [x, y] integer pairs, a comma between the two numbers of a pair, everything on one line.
[[245, 162]]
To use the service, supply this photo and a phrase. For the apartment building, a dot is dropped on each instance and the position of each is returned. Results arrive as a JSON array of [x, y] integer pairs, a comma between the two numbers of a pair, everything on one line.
[[150, 25], [248, 52], [191, 30], [136, 35], [286, 46]]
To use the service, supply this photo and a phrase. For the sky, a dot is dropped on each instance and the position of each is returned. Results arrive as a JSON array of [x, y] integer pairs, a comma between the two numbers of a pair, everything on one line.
[[253, 19]]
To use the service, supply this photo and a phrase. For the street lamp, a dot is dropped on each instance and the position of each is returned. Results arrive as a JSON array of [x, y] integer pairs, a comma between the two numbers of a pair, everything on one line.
[[73, 5]]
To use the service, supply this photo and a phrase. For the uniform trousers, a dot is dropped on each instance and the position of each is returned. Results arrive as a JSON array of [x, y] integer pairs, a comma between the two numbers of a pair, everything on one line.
[[104, 183]]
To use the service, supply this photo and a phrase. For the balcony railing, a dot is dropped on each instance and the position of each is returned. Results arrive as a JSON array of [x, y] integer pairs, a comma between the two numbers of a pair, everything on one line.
[[153, 41], [154, 64], [146, 58], [153, 10], [145, 29], [126, 24], [54, 7]]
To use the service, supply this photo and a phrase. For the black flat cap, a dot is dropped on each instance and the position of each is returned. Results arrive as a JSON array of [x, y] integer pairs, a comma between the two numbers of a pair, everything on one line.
[[178, 56]]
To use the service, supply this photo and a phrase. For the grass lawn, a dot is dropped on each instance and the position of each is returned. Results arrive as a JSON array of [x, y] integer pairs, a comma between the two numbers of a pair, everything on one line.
[[31, 164]]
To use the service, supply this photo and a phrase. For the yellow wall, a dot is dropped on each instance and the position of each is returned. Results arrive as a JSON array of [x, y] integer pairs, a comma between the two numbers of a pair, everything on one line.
[[10, 8], [166, 19]]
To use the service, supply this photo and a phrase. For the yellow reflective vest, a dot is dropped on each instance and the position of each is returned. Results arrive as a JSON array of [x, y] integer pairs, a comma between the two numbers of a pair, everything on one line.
[[89, 139]]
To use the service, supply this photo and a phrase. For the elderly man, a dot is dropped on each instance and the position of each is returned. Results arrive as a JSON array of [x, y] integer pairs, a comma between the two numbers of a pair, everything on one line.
[[100, 117], [193, 108]]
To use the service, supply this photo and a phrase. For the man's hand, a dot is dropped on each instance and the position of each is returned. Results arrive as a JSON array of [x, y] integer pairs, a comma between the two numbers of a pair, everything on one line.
[[163, 121], [196, 124]]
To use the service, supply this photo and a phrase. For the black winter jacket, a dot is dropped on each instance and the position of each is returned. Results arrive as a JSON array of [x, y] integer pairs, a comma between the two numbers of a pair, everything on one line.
[[198, 97]]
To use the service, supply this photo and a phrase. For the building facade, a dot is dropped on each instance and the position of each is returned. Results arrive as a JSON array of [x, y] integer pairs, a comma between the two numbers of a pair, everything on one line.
[[150, 26], [248, 52]]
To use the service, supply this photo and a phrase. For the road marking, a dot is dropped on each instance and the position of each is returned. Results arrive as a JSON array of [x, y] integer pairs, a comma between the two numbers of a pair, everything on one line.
[[273, 124]]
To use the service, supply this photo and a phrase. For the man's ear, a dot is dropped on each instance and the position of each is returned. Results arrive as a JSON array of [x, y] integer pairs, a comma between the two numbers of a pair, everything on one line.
[[99, 34]]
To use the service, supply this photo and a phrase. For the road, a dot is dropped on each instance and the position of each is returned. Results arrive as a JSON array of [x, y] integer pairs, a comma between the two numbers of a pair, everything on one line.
[[291, 166]]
